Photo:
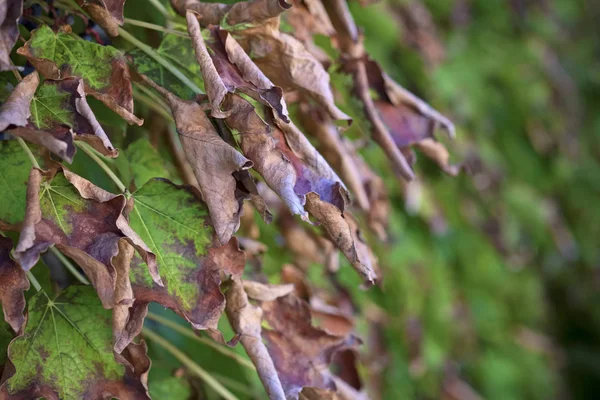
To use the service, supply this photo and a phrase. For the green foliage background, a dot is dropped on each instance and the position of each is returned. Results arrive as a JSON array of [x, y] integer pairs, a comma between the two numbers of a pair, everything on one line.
[[493, 276]]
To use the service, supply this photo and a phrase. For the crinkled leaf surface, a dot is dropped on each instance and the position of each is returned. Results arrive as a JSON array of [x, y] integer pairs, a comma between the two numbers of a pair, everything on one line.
[[66, 351], [103, 68], [176, 226], [14, 171], [178, 51]]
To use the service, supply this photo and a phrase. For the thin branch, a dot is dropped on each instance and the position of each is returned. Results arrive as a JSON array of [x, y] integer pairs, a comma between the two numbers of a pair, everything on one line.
[[159, 59], [189, 364], [190, 334], [69, 266], [91, 152]]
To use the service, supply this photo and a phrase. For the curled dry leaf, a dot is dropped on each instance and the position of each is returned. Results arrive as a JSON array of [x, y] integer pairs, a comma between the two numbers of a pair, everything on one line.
[[106, 13], [214, 162], [73, 324], [246, 320], [390, 128], [103, 68], [301, 353], [10, 12], [13, 282], [243, 12], [227, 69], [15, 110], [176, 224], [58, 114], [85, 223]]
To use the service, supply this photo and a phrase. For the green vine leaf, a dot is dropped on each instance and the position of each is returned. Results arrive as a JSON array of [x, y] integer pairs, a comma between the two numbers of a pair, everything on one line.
[[102, 68], [177, 50], [175, 224], [14, 171], [66, 352]]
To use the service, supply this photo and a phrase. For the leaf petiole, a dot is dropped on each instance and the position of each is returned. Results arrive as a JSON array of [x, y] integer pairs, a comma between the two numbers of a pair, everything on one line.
[[34, 281], [190, 364], [91, 153], [69, 266]]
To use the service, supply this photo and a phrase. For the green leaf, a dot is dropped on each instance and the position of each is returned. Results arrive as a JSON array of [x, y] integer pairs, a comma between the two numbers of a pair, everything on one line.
[[145, 162], [179, 51], [174, 388], [6, 336], [14, 171], [66, 351], [176, 226]]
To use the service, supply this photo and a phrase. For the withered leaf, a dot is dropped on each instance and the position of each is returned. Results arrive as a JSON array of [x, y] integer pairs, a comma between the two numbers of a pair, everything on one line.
[[15, 110], [106, 13], [241, 12], [176, 225], [246, 320], [300, 352], [213, 162], [227, 69], [66, 353], [60, 114], [13, 282], [103, 68], [10, 12], [84, 222]]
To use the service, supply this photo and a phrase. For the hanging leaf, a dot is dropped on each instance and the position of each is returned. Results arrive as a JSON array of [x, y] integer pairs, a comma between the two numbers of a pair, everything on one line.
[[176, 225], [13, 283], [239, 13], [179, 52], [106, 13], [290, 354], [10, 12], [83, 221], [214, 162], [66, 352], [228, 69], [103, 68]]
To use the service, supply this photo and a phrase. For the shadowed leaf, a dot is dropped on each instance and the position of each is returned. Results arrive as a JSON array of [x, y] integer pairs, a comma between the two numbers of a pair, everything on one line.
[[106, 13]]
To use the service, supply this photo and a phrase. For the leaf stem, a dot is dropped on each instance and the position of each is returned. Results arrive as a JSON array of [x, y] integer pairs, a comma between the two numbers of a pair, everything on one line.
[[147, 101], [190, 334], [34, 281], [29, 153], [69, 265], [155, 27], [159, 59], [190, 364], [90, 152]]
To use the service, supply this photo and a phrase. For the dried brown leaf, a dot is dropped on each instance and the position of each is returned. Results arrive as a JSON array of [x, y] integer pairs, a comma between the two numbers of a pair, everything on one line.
[[15, 110], [13, 282], [106, 13], [10, 12], [242, 12]]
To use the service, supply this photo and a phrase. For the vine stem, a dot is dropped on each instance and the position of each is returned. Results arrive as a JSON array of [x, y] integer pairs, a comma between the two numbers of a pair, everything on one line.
[[90, 152], [159, 59], [34, 281], [190, 364], [188, 333], [69, 266], [155, 27], [28, 152], [161, 8]]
